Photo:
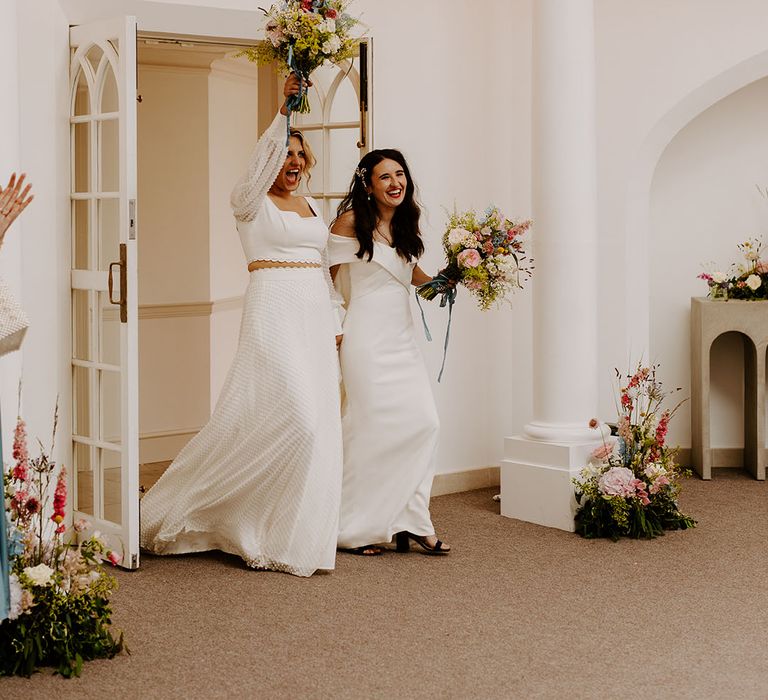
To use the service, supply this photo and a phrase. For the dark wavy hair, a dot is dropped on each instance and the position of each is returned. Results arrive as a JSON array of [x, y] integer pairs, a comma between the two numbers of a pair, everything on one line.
[[406, 237]]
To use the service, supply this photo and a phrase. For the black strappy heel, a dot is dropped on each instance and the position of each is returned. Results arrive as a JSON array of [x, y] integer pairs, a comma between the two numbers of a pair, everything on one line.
[[403, 543]]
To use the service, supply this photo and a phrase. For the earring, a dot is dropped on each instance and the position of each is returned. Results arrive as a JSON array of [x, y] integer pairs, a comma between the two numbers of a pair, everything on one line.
[[369, 196]]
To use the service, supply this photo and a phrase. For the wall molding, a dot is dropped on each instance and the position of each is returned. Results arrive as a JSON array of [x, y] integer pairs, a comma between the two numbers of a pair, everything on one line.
[[191, 308], [164, 445]]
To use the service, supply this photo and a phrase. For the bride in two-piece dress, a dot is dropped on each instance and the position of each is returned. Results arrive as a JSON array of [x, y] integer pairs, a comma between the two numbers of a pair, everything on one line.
[[389, 419], [262, 479]]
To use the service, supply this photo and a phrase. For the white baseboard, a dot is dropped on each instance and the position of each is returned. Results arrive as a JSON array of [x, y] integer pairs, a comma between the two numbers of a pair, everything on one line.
[[722, 457], [467, 480], [163, 446]]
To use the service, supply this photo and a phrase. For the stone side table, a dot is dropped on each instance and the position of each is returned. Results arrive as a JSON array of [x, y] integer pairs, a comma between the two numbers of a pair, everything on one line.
[[709, 320]]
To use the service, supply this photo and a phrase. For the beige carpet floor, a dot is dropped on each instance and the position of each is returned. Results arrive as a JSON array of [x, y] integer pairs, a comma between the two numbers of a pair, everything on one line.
[[516, 611]]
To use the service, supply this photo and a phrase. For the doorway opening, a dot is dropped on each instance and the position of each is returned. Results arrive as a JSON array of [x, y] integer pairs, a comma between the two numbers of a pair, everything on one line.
[[201, 109]]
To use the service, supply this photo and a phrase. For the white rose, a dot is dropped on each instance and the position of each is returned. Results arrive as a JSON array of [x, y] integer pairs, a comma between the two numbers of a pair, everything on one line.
[[654, 470], [718, 277], [331, 46], [753, 282], [456, 236], [40, 575]]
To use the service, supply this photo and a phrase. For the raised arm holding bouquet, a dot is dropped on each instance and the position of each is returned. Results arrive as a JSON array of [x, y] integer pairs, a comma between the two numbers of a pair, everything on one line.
[[301, 36]]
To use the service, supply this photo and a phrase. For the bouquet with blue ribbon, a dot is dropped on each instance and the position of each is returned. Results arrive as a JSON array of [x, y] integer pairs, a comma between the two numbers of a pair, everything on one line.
[[301, 36], [485, 253]]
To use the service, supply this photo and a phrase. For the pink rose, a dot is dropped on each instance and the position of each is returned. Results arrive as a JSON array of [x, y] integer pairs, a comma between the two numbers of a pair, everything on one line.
[[81, 525], [603, 451], [468, 258]]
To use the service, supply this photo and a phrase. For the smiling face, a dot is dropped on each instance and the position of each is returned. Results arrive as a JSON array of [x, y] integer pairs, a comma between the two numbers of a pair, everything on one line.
[[289, 178], [388, 183]]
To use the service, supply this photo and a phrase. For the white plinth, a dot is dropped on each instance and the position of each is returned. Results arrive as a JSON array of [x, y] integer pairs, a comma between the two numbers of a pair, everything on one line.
[[536, 481]]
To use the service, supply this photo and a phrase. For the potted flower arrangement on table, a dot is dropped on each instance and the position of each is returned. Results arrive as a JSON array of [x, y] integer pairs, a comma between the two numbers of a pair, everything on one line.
[[60, 612], [747, 281], [630, 486]]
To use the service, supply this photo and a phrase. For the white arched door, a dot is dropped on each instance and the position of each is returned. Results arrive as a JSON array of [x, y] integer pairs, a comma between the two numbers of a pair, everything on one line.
[[105, 445]]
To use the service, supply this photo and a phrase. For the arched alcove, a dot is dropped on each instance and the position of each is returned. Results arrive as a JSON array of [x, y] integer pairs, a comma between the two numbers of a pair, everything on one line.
[[703, 202], [639, 255], [726, 397]]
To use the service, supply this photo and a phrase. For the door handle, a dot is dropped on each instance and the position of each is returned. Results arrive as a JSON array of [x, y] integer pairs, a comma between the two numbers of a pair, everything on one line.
[[123, 300]]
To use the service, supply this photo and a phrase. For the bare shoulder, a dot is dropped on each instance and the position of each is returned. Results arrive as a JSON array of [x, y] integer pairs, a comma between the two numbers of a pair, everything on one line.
[[344, 225]]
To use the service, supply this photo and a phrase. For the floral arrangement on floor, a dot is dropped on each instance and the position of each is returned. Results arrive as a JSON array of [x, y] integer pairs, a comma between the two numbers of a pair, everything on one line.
[[747, 281], [484, 253], [60, 611], [301, 36], [631, 484]]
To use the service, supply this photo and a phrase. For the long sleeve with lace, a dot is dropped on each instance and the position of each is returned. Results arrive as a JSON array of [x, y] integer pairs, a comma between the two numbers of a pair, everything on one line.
[[263, 167]]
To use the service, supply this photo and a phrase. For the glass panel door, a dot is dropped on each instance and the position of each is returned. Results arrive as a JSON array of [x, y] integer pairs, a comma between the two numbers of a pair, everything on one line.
[[104, 295]]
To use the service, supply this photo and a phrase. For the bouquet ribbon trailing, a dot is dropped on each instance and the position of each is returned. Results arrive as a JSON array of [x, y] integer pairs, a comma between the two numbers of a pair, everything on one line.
[[444, 286], [294, 102]]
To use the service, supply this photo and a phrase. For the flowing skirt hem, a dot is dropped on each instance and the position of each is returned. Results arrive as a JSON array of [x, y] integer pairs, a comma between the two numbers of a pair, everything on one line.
[[190, 542]]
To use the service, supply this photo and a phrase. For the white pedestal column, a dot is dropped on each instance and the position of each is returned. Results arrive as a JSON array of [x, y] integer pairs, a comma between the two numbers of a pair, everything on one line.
[[538, 466]]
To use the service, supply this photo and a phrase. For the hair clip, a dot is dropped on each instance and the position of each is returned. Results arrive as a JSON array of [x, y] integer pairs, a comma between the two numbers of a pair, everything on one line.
[[360, 172]]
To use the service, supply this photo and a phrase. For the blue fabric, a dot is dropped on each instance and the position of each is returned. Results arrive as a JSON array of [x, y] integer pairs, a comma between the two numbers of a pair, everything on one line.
[[5, 589]]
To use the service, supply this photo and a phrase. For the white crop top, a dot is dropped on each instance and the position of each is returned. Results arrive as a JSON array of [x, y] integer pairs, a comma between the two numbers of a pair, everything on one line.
[[268, 233], [283, 236]]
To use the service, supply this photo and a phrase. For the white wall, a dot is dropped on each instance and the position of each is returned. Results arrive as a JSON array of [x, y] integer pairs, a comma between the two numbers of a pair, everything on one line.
[[659, 64], [42, 146], [458, 105], [451, 88], [174, 387], [232, 133], [10, 260], [703, 202]]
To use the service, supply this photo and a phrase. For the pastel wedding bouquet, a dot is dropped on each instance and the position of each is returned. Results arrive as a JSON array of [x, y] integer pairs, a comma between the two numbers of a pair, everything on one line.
[[60, 611], [631, 484], [301, 36], [486, 254]]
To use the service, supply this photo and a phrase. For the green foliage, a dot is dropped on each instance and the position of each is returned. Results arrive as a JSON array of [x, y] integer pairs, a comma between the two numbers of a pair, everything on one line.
[[61, 631]]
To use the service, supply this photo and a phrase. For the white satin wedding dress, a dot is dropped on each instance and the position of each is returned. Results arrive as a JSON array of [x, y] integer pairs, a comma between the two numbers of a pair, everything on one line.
[[389, 419]]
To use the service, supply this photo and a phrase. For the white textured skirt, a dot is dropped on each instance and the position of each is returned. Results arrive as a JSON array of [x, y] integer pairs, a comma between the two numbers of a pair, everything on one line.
[[262, 479]]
